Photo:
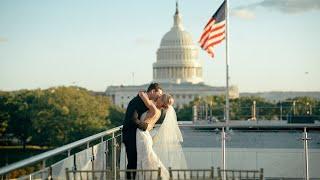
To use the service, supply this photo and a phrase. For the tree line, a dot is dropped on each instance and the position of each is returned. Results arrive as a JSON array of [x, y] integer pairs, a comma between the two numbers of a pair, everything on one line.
[[242, 108], [60, 115], [55, 116]]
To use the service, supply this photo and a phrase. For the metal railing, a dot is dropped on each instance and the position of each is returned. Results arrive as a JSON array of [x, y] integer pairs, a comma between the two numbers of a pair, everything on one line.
[[185, 174], [240, 174], [4, 172], [113, 159], [145, 174], [174, 174]]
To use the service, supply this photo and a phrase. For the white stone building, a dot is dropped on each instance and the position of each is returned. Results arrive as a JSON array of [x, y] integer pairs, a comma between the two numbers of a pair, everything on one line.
[[177, 69]]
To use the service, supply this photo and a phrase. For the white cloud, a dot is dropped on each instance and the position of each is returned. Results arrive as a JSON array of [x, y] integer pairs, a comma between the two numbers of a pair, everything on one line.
[[287, 6], [243, 14], [2, 39], [143, 41]]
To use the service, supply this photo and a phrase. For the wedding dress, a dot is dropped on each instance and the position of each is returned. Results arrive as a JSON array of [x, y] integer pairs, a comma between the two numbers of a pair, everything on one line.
[[164, 149], [147, 159]]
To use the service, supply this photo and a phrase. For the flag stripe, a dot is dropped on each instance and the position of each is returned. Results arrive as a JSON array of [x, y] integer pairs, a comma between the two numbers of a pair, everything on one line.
[[206, 32], [215, 30], [213, 36], [212, 41], [216, 42]]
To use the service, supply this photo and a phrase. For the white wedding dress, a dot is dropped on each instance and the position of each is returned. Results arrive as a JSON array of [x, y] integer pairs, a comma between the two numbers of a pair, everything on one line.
[[146, 157]]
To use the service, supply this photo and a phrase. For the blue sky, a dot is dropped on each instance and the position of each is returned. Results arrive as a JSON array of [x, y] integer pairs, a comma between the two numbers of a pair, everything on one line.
[[97, 43]]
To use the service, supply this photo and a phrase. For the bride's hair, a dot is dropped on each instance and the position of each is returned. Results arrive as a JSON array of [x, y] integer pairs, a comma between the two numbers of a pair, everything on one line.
[[167, 99]]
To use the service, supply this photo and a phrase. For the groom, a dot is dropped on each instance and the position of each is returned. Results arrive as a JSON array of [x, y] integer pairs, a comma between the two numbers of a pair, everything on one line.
[[135, 109]]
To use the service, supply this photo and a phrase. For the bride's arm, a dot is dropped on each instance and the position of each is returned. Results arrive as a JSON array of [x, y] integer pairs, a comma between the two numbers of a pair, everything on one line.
[[150, 105], [152, 114]]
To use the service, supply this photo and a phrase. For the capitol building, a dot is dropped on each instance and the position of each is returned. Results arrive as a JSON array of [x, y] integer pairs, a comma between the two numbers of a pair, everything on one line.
[[177, 69]]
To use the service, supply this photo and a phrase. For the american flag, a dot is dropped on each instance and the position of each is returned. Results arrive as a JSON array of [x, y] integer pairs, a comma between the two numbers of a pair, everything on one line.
[[214, 31]]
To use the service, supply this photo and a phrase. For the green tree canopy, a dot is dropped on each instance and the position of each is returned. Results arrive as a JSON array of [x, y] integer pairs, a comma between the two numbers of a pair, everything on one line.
[[53, 116]]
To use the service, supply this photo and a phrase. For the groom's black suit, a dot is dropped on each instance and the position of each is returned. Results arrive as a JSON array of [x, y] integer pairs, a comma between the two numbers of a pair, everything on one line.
[[135, 109]]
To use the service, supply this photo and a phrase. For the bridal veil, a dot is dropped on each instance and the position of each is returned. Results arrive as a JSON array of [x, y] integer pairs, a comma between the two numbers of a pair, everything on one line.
[[167, 142]]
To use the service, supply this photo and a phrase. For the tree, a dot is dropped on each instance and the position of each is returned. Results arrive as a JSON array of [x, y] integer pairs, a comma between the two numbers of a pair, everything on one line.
[[185, 113], [4, 115], [19, 108], [242, 108], [116, 115], [67, 114]]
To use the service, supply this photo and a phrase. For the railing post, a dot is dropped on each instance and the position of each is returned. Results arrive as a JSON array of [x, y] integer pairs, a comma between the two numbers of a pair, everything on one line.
[[67, 174], [92, 161], [106, 151], [114, 156], [106, 158], [306, 153], [43, 165], [74, 166], [212, 172], [261, 173], [50, 173], [69, 152], [219, 173], [159, 173], [223, 152]]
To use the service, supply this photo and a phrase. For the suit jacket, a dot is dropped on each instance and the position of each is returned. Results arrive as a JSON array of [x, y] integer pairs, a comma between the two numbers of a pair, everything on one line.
[[135, 109]]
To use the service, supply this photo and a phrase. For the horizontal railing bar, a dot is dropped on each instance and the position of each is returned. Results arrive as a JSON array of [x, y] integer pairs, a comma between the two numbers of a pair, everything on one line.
[[126, 170], [252, 171], [253, 125], [59, 150], [190, 169]]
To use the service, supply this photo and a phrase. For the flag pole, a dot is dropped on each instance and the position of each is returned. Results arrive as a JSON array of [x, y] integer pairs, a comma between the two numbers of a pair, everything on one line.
[[227, 65]]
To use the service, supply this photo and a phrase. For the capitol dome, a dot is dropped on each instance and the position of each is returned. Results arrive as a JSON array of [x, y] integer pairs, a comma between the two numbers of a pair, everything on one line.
[[177, 57], [176, 37]]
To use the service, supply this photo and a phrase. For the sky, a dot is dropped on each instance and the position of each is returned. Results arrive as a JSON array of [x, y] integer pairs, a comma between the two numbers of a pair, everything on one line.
[[273, 44]]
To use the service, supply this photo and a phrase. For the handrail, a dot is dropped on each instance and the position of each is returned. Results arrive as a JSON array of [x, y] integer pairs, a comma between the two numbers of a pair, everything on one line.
[[46, 155], [251, 125]]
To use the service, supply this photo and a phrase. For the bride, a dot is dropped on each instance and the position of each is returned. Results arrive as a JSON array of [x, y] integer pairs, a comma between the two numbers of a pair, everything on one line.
[[163, 150]]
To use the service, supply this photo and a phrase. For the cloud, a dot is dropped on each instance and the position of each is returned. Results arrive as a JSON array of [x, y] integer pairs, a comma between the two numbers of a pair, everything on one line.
[[2, 39], [143, 41], [243, 14], [292, 6], [286, 6]]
